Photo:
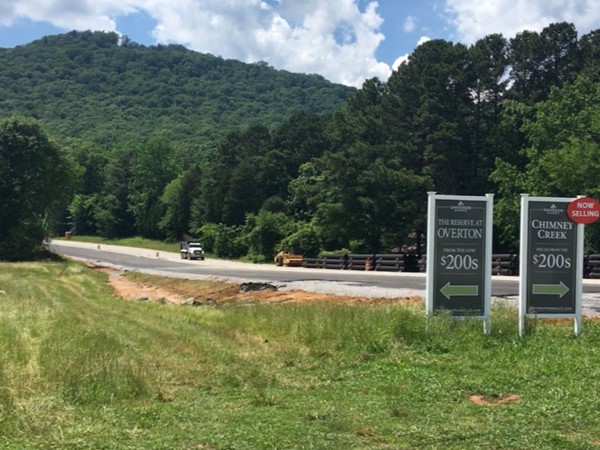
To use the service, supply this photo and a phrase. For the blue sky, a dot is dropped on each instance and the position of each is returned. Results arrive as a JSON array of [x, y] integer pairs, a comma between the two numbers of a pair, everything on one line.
[[346, 41]]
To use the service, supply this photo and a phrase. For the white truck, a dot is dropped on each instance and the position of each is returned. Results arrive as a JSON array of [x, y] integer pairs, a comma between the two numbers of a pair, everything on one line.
[[191, 250]]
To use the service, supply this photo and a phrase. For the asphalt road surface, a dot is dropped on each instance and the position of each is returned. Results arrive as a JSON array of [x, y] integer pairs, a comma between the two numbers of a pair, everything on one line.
[[341, 282]]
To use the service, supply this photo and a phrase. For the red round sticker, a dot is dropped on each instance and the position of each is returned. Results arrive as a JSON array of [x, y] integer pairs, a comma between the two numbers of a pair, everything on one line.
[[584, 210]]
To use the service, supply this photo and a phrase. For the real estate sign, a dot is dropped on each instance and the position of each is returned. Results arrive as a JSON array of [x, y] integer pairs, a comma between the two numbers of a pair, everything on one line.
[[459, 236], [551, 260]]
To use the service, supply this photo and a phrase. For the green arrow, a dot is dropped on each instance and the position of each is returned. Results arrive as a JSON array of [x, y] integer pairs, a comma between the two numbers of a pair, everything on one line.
[[551, 289], [464, 290]]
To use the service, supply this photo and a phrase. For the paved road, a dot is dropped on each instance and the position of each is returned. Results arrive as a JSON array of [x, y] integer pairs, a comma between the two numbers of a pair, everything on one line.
[[384, 284], [387, 284]]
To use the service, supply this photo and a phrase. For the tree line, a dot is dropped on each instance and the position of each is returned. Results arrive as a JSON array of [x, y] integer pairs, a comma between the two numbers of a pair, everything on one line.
[[106, 90], [502, 116]]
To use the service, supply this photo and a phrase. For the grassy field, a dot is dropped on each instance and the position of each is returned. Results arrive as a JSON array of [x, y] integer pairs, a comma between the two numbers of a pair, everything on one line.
[[83, 369], [129, 242]]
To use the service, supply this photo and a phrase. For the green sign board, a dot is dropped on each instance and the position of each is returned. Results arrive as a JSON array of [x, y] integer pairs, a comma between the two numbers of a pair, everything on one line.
[[551, 266], [459, 255], [552, 259]]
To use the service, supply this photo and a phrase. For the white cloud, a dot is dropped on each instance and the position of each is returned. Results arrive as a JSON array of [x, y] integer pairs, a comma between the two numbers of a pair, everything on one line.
[[7, 11], [67, 14], [409, 24], [332, 38], [335, 38], [475, 19], [404, 58]]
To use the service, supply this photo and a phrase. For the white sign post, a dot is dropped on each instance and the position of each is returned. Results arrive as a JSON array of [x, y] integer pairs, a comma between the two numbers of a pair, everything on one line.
[[459, 256], [551, 264]]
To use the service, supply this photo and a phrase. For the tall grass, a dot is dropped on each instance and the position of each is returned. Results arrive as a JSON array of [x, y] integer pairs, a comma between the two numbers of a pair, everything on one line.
[[88, 366], [83, 369]]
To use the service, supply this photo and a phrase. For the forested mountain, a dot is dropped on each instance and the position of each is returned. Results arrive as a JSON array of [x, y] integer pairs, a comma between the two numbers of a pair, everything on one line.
[[94, 87], [503, 116]]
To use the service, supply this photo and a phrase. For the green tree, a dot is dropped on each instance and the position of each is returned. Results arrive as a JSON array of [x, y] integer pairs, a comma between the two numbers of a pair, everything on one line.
[[272, 174], [93, 161], [100, 89], [305, 241], [82, 211], [305, 190], [428, 112], [562, 63], [360, 118], [297, 140], [366, 195], [227, 242], [207, 234], [262, 233], [177, 200], [36, 182], [113, 216], [152, 169], [488, 77], [244, 194], [563, 153], [540, 61], [589, 45], [235, 184]]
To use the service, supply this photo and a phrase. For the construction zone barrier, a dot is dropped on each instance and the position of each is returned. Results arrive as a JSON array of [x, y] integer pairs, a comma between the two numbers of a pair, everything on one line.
[[311, 263], [505, 264], [332, 262], [396, 262], [591, 266]]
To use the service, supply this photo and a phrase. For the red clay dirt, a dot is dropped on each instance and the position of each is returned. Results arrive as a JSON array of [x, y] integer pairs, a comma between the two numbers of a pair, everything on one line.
[[177, 291], [181, 291]]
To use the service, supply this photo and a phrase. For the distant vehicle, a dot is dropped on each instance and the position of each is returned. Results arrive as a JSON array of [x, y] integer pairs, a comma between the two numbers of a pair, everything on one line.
[[191, 250], [284, 258]]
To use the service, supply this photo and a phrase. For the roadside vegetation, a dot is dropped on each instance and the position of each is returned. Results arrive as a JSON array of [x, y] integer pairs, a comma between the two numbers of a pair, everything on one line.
[[162, 142], [138, 242], [83, 369]]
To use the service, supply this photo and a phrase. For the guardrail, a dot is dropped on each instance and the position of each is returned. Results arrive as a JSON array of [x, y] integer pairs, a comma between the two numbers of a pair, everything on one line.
[[502, 264], [591, 266], [394, 262], [506, 264]]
